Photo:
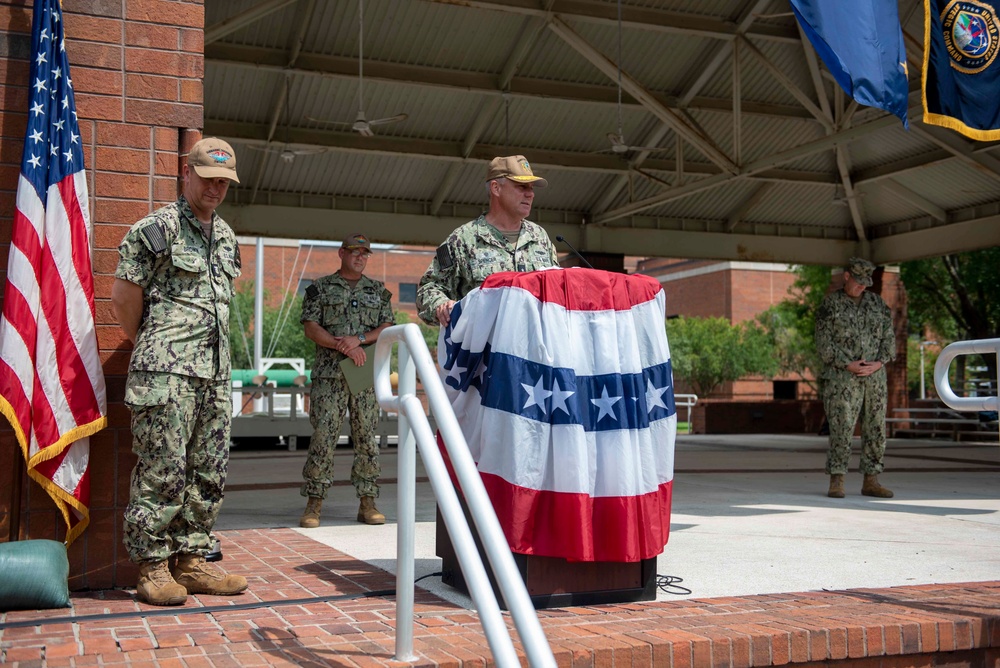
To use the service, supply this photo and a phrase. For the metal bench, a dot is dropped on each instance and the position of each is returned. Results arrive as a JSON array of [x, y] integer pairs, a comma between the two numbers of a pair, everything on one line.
[[935, 422]]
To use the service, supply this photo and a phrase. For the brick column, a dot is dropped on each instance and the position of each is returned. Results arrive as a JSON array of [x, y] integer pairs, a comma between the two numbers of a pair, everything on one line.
[[890, 287], [137, 68]]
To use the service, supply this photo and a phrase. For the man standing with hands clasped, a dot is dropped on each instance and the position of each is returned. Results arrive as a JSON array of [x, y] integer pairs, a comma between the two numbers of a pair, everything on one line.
[[341, 313], [171, 296], [855, 339]]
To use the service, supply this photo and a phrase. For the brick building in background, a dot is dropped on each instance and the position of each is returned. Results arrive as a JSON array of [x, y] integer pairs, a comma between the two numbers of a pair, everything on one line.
[[137, 68]]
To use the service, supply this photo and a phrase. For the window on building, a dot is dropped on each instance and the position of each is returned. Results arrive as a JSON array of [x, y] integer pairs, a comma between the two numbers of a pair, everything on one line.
[[786, 389], [407, 293], [303, 284]]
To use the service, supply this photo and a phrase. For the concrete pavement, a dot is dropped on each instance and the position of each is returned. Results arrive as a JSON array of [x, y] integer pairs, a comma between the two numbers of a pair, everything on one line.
[[750, 516]]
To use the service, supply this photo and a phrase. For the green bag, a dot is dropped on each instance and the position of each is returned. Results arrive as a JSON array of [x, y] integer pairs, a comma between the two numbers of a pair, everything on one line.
[[34, 575]]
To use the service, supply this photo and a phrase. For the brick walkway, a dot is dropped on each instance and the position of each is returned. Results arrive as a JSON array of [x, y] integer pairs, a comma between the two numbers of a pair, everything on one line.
[[895, 627]]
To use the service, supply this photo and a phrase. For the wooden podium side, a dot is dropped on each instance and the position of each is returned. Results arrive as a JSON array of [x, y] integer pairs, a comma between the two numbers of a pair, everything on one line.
[[553, 582]]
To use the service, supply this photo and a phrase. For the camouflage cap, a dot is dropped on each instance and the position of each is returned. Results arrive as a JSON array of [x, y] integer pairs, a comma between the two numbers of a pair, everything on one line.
[[515, 168], [860, 270], [356, 241], [212, 158]]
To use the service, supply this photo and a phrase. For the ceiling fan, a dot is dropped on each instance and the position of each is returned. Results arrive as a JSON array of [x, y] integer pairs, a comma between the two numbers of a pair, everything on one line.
[[617, 139], [288, 153], [361, 124]]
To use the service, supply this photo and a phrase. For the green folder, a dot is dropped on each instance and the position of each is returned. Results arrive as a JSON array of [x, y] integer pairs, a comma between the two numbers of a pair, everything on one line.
[[360, 378]]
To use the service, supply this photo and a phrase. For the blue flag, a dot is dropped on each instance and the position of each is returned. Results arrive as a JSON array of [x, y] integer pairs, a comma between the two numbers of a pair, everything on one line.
[[861, 43], [961, 71]]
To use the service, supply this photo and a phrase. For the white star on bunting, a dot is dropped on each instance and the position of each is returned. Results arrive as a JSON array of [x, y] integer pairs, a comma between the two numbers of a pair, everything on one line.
[[456, 372], [536, 395], [606, 404], [559, 397], [654, 396]]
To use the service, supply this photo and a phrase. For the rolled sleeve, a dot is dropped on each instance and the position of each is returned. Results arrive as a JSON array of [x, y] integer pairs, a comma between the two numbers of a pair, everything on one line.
[[386, 315], [135, 261], [433, 290]]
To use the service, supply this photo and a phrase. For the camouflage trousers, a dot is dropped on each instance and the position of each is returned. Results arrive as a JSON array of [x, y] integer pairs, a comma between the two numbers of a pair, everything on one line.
[[180, 433], [329, 399], [844, 400]]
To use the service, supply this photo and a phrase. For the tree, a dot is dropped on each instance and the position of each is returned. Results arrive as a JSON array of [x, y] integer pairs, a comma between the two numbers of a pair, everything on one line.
[[956, 297], [791, 324], [283, 335], [430, 333], [707, 352]]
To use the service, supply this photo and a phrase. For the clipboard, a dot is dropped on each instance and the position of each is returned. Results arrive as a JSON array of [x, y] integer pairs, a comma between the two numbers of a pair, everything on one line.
[[360, 378]]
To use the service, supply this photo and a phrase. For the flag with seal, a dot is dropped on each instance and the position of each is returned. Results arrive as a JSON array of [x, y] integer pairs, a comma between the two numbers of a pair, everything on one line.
[[961, 74]]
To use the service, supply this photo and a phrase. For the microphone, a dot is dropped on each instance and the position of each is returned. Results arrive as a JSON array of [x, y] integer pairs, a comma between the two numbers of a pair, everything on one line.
[[560, 238]]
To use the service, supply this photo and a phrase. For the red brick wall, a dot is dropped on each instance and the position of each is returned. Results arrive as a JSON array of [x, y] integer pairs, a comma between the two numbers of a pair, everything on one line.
[[755, 291], [137, 69], [705, 296]]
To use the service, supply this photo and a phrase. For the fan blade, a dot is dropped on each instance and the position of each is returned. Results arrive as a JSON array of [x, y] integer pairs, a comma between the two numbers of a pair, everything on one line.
[[391, 119], [649, 148], [328, 121], [309, 151]]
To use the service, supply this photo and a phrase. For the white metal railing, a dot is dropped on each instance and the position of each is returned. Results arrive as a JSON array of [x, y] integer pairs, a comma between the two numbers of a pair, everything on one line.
[[414, 431], [688, 401], [943, 384]]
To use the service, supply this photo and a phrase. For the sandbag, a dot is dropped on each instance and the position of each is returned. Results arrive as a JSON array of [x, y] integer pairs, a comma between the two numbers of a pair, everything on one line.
[[34, 575]]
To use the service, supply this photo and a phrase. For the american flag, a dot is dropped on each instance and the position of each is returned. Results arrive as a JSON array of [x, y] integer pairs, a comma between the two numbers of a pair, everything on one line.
[[562, 383], [51, 382]]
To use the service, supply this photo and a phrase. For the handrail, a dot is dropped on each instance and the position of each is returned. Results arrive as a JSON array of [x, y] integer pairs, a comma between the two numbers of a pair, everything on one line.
[[943, 384], [688, 401], [414, 429]]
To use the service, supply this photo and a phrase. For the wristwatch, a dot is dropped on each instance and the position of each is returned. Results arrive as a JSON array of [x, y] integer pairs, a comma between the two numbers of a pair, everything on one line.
[[361, 338]]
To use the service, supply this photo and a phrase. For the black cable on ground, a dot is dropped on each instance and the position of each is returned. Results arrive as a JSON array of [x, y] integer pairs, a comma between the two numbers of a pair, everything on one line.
[[668, 584]]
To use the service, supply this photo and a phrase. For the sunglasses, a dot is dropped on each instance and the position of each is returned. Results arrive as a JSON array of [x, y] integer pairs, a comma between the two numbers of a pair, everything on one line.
[[360, 252]]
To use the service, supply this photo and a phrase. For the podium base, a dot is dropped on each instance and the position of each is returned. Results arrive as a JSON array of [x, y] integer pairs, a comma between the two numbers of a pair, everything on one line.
[[553, 582]]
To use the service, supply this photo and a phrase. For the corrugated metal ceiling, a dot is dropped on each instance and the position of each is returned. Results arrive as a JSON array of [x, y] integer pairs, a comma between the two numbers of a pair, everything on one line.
[[498, 78]]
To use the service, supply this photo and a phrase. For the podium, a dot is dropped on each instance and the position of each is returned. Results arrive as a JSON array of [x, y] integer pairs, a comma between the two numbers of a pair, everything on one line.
[[562, 385], [553, 582]]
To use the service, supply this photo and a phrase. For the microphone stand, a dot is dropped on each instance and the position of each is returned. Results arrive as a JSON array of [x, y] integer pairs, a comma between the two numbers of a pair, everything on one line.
[[560, 238]]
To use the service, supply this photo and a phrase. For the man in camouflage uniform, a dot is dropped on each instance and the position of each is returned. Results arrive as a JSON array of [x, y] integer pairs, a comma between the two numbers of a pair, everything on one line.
[[171, 297], [341, 312], [855, 339], [500, 240]]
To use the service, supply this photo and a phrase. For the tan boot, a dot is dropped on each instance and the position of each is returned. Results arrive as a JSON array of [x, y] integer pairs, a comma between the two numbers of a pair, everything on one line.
[[310, 518], [836, 486], [157, 587], [368, 513], [871, 487], [200, 577]]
